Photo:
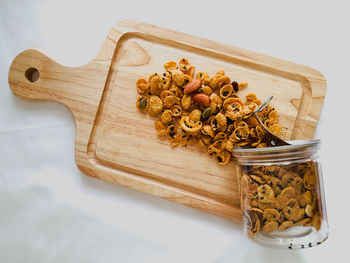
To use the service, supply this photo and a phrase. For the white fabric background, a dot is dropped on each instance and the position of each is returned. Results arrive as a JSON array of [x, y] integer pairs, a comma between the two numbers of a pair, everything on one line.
[[51, 212]]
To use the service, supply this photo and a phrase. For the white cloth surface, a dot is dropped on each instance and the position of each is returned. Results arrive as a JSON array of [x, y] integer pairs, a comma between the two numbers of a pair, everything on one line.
[[51, 212]]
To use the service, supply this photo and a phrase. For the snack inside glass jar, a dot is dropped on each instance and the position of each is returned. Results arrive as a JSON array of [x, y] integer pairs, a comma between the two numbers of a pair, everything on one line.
[[282, 196]]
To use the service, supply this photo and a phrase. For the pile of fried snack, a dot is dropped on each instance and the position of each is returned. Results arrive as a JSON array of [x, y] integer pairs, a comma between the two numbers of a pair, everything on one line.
[[205, 110], [278, 197]]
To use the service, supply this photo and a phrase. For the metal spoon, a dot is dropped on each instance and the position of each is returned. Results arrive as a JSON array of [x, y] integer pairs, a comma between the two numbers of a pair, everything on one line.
[[271, 138]]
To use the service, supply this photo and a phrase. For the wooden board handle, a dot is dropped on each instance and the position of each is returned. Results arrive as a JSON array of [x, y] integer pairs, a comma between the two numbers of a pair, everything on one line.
[[34, 76]]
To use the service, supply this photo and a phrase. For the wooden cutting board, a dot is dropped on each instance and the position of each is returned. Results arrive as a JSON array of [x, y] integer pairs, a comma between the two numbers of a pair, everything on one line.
[[116, 143]]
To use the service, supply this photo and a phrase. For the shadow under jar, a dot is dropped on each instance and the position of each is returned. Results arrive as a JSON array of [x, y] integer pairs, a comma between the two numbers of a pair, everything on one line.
[[282, 196]]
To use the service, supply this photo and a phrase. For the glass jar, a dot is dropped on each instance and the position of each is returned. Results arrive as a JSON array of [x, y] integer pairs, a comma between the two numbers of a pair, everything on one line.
[[282, 197]]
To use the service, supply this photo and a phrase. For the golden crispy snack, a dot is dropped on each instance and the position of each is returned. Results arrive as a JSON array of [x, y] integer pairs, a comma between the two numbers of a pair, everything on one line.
[[208, 111]]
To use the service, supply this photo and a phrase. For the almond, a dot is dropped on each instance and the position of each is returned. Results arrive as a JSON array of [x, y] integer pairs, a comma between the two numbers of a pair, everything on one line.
[[202, 99], [192, 86]]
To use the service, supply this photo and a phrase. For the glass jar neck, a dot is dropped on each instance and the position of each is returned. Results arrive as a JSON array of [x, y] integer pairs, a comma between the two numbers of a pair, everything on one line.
[[285, 154]]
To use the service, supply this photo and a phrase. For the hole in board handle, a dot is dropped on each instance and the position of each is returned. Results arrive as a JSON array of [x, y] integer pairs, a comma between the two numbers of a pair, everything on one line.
[[32, 74]]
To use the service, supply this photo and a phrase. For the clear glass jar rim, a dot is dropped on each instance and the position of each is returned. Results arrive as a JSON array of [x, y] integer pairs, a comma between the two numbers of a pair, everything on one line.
[[295, 145]]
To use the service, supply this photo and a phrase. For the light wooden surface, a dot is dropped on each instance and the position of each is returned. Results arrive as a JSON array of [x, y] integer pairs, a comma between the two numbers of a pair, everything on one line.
[[116, 143]]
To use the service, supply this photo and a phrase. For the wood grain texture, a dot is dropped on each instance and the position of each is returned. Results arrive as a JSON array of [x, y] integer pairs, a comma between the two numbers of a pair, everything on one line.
[[116, 143]]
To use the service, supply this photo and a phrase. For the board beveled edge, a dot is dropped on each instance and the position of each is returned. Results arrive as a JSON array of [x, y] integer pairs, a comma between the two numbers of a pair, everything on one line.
[[303, 73]]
